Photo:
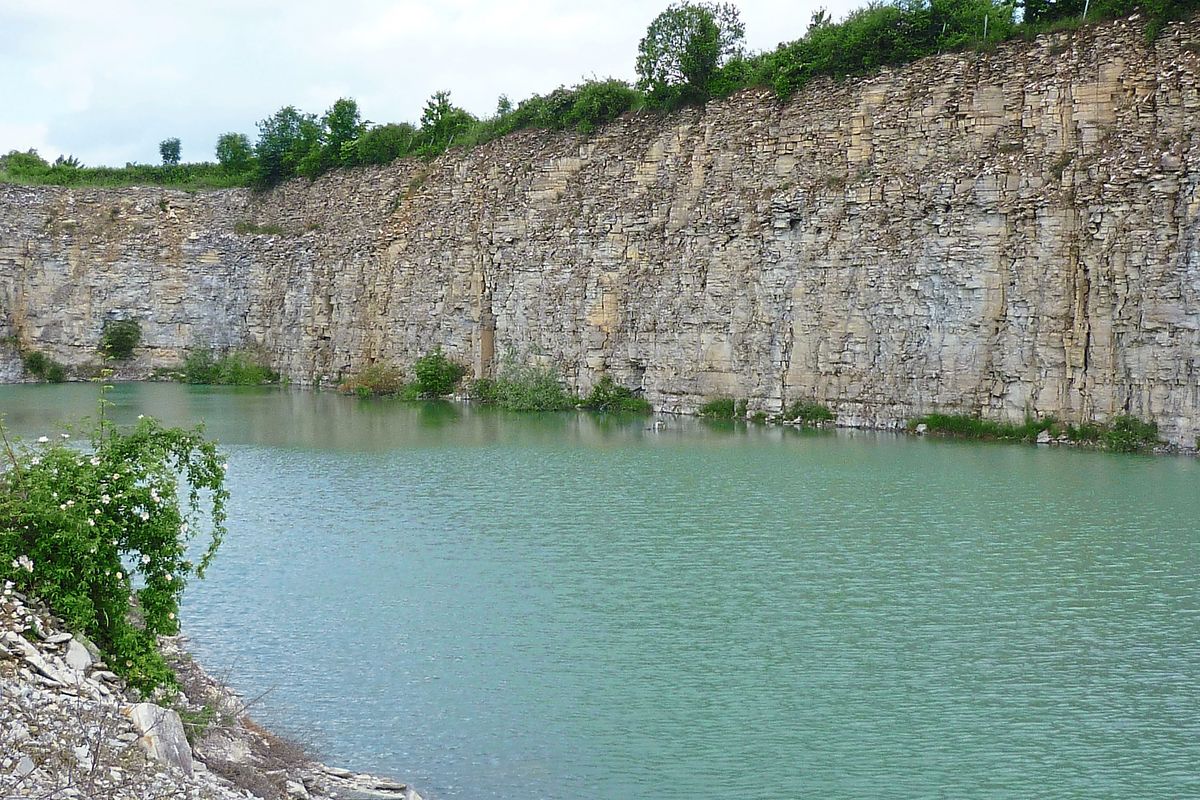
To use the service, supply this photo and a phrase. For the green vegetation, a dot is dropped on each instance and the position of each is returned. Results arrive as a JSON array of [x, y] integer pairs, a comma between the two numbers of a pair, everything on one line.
[[169, 149], [609, 397], [690, 53], [724, 408], [808, 412], [524, 388], [30, 168], [88, 531], [683, 49], [376, 380], [437, 375], [245, 227], [42, 367], [1125, 434], [236, 368], [119, 339]]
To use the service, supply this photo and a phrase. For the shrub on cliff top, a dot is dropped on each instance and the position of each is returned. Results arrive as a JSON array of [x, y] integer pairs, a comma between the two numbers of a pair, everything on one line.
[[86, 529]]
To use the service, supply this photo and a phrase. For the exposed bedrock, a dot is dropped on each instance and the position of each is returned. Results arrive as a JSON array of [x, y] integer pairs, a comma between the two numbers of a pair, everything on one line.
[[1008, 233]]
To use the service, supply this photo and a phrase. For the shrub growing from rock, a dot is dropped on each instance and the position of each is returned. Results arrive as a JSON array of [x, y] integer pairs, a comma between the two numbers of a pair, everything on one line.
[[86, 530], [608, 396], [436, 374], [119, 339]]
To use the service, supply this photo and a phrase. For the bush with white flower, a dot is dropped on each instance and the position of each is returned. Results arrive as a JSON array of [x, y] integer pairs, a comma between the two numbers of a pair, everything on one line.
[[87, 531]]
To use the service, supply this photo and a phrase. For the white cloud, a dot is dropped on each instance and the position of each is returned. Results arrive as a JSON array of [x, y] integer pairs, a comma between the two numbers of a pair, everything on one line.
[[107, 81]]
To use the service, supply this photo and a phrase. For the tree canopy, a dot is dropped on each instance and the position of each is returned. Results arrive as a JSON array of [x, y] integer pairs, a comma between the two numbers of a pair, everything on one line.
[[685, 45]]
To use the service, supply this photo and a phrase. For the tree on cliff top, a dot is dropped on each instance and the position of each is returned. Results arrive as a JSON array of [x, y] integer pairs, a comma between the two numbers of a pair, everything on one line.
[[685, 46], [169, 150]]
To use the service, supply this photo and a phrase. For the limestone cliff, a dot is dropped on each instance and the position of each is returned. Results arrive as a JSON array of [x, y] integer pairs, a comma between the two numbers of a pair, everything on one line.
[[1006, 233]]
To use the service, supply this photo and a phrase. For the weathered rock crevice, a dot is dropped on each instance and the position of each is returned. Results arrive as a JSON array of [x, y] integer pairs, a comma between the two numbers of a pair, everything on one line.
[[1005, 233]]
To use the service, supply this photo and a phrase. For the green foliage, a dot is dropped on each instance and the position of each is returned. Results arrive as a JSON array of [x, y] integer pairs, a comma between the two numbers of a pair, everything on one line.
[[881, 35], [608, 396], [375, 380], [83, 530], [684, 47], [442, 124], [42, 367], [723, 408], [385, 143], [972, 427], [1124, 434], [808, 412], [234, 153], [436, 374], [231, 369], [169, 150], [249, 227], [119, 338], [285, 139], [524, 388], [30, 168], [1127, 434]]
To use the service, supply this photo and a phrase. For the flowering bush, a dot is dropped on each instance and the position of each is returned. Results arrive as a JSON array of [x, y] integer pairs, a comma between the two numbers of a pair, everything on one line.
[[88, 530]]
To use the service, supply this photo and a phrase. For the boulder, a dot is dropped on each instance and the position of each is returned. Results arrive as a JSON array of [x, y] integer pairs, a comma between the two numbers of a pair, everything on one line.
[[77, 657], [162, 735]]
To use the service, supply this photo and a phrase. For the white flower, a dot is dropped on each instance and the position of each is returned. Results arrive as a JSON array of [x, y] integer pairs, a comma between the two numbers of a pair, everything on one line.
[[145, 515], [62, 506], [225, 466], [171, 615], [94, 461], [91, 522], [54, 495], [23, 562], [141, 416], [65, 435], [145, 559], [183, 527], [43, 439], [70, 503], [116, 476], [35, 461], [120, 576], [169, 577], [105, 499]]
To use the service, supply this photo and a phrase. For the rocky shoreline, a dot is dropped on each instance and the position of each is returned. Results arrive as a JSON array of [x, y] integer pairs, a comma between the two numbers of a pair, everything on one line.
[[71, 730]]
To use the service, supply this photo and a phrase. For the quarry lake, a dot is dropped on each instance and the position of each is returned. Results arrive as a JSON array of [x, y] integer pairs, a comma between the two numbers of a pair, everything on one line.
[[492, 605]]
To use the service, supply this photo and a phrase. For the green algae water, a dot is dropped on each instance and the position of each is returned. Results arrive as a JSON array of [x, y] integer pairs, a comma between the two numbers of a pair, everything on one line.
[[566, 606]]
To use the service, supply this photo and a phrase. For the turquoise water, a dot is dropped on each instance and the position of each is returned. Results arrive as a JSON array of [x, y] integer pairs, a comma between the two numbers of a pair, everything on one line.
[[564, 606]]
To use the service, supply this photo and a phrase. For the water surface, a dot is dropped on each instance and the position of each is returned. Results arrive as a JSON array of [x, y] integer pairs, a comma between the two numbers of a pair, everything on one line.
[[566, 606]]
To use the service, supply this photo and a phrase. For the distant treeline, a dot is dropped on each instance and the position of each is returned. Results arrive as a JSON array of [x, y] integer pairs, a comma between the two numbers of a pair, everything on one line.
[[691, 53]]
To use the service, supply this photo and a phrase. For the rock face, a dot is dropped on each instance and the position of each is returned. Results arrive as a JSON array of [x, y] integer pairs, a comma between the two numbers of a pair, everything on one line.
[[1008, 233]]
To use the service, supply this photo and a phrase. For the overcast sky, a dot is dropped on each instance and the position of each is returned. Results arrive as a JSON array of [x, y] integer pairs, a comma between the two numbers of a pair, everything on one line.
[[107, 80]]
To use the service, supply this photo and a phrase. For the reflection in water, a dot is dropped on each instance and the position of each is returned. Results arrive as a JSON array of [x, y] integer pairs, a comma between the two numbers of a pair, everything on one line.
[[571, 606]]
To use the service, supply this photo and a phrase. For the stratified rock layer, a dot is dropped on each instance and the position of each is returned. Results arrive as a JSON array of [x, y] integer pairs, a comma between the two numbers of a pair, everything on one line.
[[1008, 233]]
